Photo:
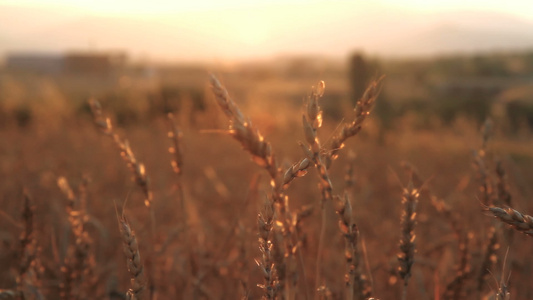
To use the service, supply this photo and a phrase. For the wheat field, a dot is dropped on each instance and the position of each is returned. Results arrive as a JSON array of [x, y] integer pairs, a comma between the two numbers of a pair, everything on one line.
[[235, 203]]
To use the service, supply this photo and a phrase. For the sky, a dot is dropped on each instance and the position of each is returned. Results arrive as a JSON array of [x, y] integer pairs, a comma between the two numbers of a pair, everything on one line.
[[241, 30], [137, 7]]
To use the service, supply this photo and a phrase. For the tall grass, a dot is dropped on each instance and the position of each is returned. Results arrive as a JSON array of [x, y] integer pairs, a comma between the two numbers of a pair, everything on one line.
[[318, 222]]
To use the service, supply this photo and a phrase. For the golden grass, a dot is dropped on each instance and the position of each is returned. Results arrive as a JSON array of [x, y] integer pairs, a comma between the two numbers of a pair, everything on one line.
[[205, 244]]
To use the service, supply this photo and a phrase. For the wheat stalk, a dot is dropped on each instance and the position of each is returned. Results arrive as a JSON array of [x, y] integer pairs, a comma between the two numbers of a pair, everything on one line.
[[243, 130], [252, 141], [407, 240], [489, 259], [265, 221], [28, 255], [177, 162], [454, 290], [485, 188], [133, 259], [176, 136], [312, 121], [354, 281], [361, 111], [504, 196], [78, 268], [137, 168]]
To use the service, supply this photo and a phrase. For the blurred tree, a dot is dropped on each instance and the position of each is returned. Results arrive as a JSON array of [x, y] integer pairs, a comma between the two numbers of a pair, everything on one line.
[[486, 65], [519, 113], [358, 76]]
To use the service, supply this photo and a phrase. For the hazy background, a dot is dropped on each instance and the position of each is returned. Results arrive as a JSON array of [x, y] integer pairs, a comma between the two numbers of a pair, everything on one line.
[[449, 67], [229, 31]]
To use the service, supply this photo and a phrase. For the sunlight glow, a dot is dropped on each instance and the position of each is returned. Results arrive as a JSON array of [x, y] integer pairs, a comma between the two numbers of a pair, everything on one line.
[[213, 29], [117, 8]]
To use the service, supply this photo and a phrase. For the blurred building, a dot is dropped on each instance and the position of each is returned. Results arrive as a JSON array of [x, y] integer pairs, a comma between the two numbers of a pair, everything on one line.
[[93, 62], [98, 63], [35, 63]]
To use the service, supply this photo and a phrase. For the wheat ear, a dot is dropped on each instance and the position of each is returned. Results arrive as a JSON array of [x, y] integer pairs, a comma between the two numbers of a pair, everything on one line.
[[407, 241], [512, 217], [354, 281], [28, 255], [133, 259], [361, 111], [78, 268], [137, 168], [252, 141]]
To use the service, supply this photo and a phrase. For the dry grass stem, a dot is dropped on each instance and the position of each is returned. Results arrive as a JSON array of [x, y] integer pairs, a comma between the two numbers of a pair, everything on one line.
[[486, 189], [448, 213], [177, 161], [349, 175], [28, 247], [486, 135], [503, 293], [504, 196], [485, 184], [490, 258], [503, 290], [455, 289]]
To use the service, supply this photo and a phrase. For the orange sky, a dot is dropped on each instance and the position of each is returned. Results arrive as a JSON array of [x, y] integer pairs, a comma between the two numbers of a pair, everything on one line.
[[238, 29], [135, 7]]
